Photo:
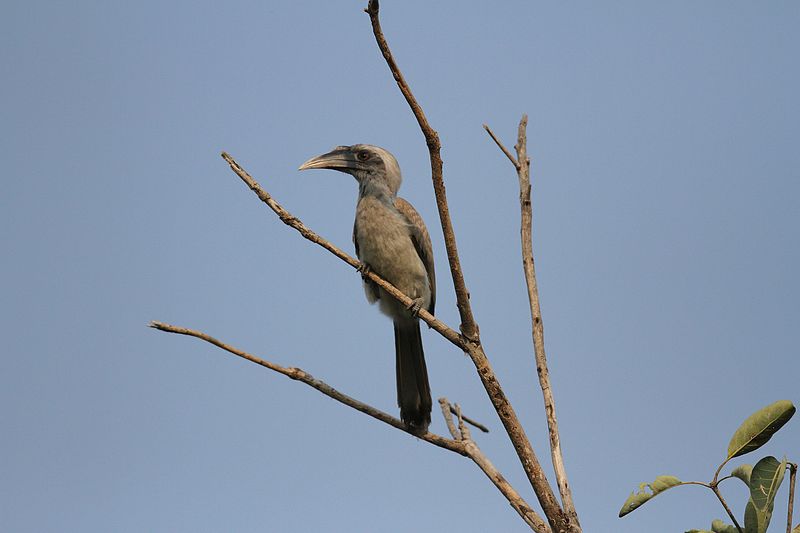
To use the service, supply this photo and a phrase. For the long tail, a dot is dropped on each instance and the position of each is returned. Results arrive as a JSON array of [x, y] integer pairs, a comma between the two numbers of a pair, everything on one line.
[[413, 390]]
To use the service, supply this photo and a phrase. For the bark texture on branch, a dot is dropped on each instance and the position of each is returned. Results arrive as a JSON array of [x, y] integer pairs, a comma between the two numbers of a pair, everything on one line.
[[301, 375], [522, 164], [792, 480], [468, 326], [462, 446], [559, 521], [462, 435]]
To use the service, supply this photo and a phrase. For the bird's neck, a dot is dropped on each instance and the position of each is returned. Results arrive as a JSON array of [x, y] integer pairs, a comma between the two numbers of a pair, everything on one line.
[[375, 188]]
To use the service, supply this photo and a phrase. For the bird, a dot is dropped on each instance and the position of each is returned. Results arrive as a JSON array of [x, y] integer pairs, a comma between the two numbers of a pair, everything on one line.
[[392, 241]]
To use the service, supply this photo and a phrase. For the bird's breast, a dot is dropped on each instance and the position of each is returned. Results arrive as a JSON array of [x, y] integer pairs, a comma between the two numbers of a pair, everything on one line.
[[385, 244]]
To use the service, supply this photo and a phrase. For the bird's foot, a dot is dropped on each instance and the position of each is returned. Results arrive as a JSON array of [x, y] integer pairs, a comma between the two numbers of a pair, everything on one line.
[[364, 269], [415, 307], [417, 429]]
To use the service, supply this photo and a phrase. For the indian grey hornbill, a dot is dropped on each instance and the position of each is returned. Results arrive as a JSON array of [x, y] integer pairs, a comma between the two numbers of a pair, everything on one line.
[[392, 241]]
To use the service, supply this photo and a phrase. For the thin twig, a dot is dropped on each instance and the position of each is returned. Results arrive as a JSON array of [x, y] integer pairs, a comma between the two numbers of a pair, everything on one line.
[[447, 414], [303, 376], [559, 521], [718, 494], [462, 428], [713, 485], [792, 479], [472, 422], [502, 147], [452, 410], [700, 483], [468, 326], [714, 480], [531, 517], [522, 164]]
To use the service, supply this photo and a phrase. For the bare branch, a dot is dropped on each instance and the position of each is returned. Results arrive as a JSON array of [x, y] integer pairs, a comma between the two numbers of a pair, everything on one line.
[[792, 480], [522, 164], [471, 422], [559, 521], [303, 376], [465, 448], [447, 414], [468, 326], [501, 146], [462, 428], [294, 222], [531, 517]]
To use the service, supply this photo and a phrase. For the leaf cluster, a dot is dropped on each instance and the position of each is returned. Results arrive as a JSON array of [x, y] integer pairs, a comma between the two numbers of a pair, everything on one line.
[[763, 479]]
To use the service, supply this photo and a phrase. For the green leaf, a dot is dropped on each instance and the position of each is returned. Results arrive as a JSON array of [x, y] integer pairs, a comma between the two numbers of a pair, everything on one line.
[[637, 499], [759, 427], [765, 480], [743, 473], [750, 518], [796, 529], [718, 526]]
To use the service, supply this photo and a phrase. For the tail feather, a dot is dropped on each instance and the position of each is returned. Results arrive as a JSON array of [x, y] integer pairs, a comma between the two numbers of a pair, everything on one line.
[[413, 390]]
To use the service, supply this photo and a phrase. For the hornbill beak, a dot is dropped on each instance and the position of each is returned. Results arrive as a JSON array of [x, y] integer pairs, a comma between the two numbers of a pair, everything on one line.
[[340, 158]]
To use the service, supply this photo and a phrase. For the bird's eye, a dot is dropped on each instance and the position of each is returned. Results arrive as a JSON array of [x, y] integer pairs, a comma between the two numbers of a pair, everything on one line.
[[363, 156]]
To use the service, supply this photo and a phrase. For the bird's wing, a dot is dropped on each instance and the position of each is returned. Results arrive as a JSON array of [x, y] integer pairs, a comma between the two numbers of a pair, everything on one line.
[[371, 290], [355, 240], [422, 243]]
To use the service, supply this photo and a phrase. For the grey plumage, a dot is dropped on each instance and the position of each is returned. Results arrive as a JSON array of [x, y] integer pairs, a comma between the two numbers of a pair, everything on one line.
[[391, 239]]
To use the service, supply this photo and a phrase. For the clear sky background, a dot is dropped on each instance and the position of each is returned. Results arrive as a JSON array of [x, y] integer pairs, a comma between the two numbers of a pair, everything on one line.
[[664, 140]]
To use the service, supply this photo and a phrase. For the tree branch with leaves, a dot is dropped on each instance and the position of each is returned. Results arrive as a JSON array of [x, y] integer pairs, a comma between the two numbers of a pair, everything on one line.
[[763, 480]]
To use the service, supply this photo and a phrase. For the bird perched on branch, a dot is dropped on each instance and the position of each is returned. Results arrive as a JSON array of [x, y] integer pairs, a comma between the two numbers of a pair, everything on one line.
[[391, 240]]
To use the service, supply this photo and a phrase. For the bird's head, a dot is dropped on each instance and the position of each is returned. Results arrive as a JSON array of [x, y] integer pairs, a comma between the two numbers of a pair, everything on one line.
[[370, 165]]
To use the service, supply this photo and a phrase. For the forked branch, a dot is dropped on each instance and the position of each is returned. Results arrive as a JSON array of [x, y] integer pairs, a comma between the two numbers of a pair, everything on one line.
[[462, 435], [522, 164], [468, 326], [558, 519], [301, 375], [560, 522], [461, 446]]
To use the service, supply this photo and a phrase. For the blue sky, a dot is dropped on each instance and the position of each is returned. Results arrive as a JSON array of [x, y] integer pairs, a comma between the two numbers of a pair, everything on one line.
[[664, 146]]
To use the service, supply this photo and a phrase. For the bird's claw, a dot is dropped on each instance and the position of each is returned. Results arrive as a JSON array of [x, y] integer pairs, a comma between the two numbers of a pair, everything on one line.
[[415, 307], [364, 269], [416, 429]]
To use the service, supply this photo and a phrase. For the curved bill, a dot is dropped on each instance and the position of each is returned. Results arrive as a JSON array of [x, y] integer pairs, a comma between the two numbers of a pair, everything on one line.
[[340, 158]]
